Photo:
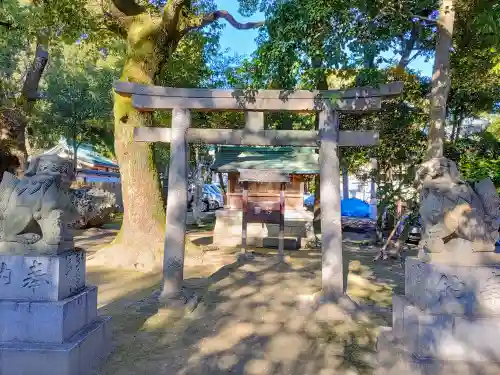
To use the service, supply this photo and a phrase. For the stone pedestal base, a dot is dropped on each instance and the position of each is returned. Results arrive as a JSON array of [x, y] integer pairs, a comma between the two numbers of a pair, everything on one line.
[[41, 277], [82, 354], [448, 320], [48, 316], [47, 322], [394, 359], [298, 230]]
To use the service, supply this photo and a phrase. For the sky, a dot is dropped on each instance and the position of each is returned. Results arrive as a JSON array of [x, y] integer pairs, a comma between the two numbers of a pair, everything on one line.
[[242, 42]]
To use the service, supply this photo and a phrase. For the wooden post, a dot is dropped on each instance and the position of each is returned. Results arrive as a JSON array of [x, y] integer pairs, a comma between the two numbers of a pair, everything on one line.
[[331, 227], [173, 261], [281, 238], [244, 218], [254, 121]]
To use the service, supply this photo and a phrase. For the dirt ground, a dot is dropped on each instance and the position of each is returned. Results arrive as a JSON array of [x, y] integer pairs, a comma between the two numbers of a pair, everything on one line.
[[255, 317]]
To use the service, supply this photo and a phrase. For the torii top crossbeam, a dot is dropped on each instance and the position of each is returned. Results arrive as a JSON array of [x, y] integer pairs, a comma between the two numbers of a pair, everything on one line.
[[361, 99]]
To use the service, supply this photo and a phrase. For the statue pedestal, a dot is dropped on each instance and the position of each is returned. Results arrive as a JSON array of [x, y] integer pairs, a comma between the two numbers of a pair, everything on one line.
[[448, 321], [48, 316]]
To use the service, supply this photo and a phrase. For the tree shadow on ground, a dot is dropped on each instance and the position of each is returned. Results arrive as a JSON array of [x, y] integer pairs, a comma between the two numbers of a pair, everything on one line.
[[255, 317], [373, 283], [93, 238]]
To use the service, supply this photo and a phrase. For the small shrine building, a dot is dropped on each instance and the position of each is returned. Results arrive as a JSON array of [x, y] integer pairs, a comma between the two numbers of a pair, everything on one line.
[[262, 193]]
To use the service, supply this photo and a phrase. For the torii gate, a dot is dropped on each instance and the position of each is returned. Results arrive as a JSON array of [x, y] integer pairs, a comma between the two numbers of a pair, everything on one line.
[[327, 103]]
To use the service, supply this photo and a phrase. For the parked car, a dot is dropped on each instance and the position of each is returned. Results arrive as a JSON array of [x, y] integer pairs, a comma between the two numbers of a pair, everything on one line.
[[215, 198], [211, 197], [220, 194], [415, 234], [217, 188]]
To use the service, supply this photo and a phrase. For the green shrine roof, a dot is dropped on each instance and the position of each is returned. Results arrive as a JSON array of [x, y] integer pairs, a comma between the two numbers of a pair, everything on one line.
[[293, 160]]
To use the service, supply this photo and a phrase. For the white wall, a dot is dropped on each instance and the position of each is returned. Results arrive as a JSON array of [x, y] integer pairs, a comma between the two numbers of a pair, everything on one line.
[[357, 189]]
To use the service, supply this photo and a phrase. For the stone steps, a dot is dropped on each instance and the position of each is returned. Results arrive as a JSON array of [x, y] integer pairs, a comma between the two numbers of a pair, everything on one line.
[[290, 243]]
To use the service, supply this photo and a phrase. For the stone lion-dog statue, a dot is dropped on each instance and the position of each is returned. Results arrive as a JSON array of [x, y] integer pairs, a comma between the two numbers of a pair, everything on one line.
[[457, 218], [35, 209]]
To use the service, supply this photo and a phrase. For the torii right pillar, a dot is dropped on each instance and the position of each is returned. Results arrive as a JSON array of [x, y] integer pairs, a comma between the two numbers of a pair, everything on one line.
[[332, 271]]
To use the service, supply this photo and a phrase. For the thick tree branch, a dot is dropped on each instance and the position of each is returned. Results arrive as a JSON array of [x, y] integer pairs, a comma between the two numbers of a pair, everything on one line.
[[407, 47], [115, 24], [118, 13], [171, 14], [419, 53], [128, 7], [210, 18]]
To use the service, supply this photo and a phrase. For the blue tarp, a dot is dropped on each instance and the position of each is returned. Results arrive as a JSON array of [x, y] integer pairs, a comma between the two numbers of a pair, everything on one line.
[[309, 200], [354, 207], [351, 207]]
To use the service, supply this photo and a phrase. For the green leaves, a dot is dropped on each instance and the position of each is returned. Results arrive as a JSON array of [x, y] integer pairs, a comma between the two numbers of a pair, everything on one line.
[[78, 101], [334, 98]]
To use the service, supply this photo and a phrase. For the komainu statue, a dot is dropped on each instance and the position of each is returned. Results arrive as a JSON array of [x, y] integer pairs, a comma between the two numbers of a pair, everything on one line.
[[457, 219], [35, 210]]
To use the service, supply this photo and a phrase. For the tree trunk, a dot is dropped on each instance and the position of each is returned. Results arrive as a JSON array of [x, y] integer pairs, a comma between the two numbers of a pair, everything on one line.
[[12, 149], [34, 75], [407, 46], [441, 80], [13, 122], [139, 244], [30, 92]]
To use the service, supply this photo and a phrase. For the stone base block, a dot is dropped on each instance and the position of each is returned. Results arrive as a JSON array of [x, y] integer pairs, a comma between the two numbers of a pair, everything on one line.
[[228, 226], [290, 243], [47, 322], [42, 277], [453, 289], [394, 359], [81, 355], [445, 336]]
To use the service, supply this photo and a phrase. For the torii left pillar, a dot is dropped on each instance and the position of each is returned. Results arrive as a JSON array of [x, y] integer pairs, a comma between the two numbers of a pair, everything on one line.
[[175, 236]]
